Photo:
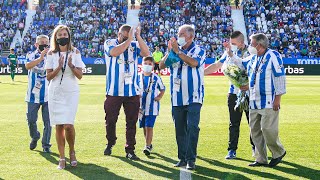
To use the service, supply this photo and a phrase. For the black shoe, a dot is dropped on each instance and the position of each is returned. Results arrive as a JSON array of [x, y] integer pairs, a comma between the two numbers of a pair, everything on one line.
[[108, 150], [181, 163], [257, 164], [147, 150], [276, 161], [191, 165], [46, 150], [33, 144], [132, 156]]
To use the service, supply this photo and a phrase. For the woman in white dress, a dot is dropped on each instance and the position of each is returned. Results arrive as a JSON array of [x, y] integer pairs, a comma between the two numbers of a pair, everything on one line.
[[64, 66]]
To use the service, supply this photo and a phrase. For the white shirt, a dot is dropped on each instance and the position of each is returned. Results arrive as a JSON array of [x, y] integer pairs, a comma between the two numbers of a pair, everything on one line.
[[150, 87], [117, 66], [37, 76], [191, 78], [265, 73], [69, 81]]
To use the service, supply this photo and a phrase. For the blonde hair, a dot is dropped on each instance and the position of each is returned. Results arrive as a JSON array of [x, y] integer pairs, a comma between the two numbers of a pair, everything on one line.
[[54, 46], [40, 37]]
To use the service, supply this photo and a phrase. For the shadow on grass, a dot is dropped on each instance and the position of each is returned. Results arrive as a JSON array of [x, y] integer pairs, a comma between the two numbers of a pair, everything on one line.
[[242, 169], [295, 169], [12, 83], [15, 82], [83, 171], [22, 82], [299, 170], [171, 172]]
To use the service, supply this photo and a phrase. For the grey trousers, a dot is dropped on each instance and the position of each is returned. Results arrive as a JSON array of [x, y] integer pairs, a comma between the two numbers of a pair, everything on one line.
[[264, 127], [32, 117]]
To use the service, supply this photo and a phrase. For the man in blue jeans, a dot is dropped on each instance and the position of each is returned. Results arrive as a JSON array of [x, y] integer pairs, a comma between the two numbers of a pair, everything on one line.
[[187, 93], [37, 94]]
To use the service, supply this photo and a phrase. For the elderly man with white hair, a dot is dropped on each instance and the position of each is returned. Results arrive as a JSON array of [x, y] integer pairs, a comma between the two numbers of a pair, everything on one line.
[[187, 92], [267, 83]]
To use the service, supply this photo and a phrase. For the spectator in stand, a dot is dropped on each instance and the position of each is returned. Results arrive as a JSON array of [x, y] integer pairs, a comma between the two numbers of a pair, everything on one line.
[[90, 24], [237, 4], [290, 24], [133, 2], [21, 27], [11, 13], [211, 19]]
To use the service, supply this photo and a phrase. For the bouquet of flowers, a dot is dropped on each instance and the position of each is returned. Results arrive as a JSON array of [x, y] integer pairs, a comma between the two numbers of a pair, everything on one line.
[[238, 77]]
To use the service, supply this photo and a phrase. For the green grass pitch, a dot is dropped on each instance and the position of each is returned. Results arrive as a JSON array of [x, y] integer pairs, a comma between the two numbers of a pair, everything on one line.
[[299, 133]]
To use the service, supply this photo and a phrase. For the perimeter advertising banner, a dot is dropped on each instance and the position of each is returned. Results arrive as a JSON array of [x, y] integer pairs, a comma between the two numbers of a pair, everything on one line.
[[23, 60], [96, 66], [100, 69]]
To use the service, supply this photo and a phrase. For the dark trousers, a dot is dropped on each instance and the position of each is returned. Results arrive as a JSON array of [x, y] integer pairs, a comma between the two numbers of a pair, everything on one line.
[[156, 67], [32, 117], [186, 121], [112, 106], [235, 120]]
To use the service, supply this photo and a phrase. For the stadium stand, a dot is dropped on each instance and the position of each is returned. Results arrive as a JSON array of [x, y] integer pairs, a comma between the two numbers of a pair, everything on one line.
[[291, 25], [12, 17], [212, 20], [91, 22]]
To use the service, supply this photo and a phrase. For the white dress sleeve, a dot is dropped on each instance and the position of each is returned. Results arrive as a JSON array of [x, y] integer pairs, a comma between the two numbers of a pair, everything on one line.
[[49, 62], [78, 61]]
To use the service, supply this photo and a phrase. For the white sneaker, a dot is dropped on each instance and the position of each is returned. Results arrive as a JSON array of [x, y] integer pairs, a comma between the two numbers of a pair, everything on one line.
[[147, 150]]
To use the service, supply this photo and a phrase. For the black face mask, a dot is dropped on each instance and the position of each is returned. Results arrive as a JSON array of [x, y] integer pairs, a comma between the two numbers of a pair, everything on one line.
[[42, 47], [63, 41]]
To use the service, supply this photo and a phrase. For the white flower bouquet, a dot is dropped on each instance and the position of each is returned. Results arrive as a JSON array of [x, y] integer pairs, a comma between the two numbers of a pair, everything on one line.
[[238, 77]]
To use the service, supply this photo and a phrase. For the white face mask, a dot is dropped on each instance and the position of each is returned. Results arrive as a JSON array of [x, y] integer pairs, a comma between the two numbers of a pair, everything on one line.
[[234, 48], [252, 50], [147, 68], [182, 41]]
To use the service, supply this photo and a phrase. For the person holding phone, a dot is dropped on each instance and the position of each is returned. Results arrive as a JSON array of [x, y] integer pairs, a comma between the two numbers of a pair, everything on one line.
[[64, 66], [37, 94]]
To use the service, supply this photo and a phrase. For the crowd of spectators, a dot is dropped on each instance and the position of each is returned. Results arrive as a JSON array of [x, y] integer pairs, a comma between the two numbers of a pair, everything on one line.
[[291, 25], [12, 18], [91, 22], [211, 18]]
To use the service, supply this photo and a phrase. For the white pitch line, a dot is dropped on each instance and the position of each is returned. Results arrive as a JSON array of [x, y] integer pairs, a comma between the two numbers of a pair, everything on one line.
[[185, 174]]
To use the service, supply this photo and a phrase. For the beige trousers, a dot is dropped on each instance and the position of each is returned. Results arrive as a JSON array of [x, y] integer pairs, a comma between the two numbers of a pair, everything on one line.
[[264, 127]]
